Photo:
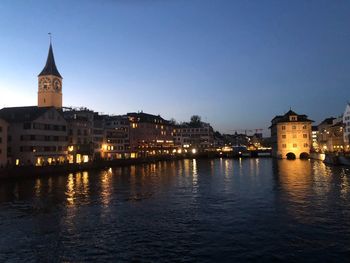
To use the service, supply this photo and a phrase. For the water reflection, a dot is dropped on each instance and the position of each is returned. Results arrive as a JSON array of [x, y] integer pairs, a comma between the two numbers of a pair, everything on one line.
[[37, 187], [106, 187], [194, 176], [191, 207], [70, 192], [307, 185]]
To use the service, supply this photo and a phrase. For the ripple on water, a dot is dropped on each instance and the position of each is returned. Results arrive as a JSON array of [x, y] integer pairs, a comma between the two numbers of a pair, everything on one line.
[[189, 210]]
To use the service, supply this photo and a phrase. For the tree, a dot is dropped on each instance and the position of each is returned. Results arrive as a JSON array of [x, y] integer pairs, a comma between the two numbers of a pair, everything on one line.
[[173, 121], [195, 121]]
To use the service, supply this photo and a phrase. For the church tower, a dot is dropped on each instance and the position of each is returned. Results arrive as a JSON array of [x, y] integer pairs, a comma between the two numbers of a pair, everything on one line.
[[50, 84]]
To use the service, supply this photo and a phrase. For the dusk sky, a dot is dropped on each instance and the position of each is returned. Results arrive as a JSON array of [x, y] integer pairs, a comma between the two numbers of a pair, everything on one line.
[[235, 63]]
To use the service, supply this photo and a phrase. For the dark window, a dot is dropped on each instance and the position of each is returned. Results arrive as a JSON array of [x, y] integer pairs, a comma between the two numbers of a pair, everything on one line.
[[26, 125]]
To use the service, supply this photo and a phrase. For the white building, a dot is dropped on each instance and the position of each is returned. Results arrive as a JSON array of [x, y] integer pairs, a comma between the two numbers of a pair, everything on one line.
[[346, 122]]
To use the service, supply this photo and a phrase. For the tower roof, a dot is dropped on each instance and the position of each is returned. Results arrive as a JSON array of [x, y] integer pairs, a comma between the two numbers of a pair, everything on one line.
[[50, 66]]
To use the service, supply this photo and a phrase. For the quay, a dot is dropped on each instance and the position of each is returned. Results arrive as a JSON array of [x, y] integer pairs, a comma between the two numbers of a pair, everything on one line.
[[57, 169]]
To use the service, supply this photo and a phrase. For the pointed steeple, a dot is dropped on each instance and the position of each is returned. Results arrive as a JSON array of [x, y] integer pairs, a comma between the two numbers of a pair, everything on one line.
[[50, 67]]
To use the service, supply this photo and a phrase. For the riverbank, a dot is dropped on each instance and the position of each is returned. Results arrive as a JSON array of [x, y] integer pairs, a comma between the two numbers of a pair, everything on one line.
[[36, 171], [332, 158]]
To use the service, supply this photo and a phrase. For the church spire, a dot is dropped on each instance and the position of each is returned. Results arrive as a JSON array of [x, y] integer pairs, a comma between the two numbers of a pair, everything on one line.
[[50, 67]]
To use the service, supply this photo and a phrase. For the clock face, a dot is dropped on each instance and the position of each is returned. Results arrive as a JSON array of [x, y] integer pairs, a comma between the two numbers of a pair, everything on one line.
[[44, 84], [57, 85]]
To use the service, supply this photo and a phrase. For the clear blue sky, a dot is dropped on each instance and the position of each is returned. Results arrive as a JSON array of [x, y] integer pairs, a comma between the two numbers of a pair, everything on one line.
[[235, 63]]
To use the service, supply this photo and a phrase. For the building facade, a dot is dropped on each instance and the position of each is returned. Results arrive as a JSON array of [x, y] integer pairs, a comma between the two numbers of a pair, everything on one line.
[[346, 122], [80, 138], [331, 135], [3, 142], [314, 138], [116, 139], [150, 135], [291, 136], [36, 136], [200, 137]]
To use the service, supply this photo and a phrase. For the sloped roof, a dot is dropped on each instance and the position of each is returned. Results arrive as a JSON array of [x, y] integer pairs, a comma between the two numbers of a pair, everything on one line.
[[285, 117], [22, 114], [50, 66], [145, 117], [328, 121]]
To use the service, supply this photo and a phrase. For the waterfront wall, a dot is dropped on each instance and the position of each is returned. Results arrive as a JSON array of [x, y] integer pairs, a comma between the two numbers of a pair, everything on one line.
[[27, 171], [332, 158]]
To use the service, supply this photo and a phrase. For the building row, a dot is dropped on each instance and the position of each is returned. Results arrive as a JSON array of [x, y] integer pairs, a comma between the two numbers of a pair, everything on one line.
[[332, 134], [50, 133], [294, 136]]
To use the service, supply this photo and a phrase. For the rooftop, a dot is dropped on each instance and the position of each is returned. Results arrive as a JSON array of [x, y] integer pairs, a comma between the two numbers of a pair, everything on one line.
[[50, 66]]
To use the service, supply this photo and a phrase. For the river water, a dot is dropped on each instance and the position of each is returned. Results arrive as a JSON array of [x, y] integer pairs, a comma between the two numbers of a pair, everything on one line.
[[219, 210]]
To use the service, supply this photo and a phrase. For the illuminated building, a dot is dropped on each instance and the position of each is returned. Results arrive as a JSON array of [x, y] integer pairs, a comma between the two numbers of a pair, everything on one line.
[[116, 142], [50, 84], [291, 136], [200, 137], [150, 135], [37, 135], [80, 139], [3, 142], [346, 121], [314, 138], [331, 135]]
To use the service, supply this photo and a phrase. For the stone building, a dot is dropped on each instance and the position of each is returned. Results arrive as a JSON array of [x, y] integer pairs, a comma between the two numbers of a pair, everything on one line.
[[314, 138], [116, 142], [36, 135], [199, 137], [80, 138], [150, 135], [346, 121], [331, 135], [50, 84], [98, 135], [3, 142], [291, 136]]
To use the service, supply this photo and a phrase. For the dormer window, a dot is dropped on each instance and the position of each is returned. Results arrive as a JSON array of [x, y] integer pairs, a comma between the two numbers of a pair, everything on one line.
[[293, 118]]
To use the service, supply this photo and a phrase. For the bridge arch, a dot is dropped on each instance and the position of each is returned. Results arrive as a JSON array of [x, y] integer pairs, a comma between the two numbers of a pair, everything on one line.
[[304, 156], [291, 156]]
